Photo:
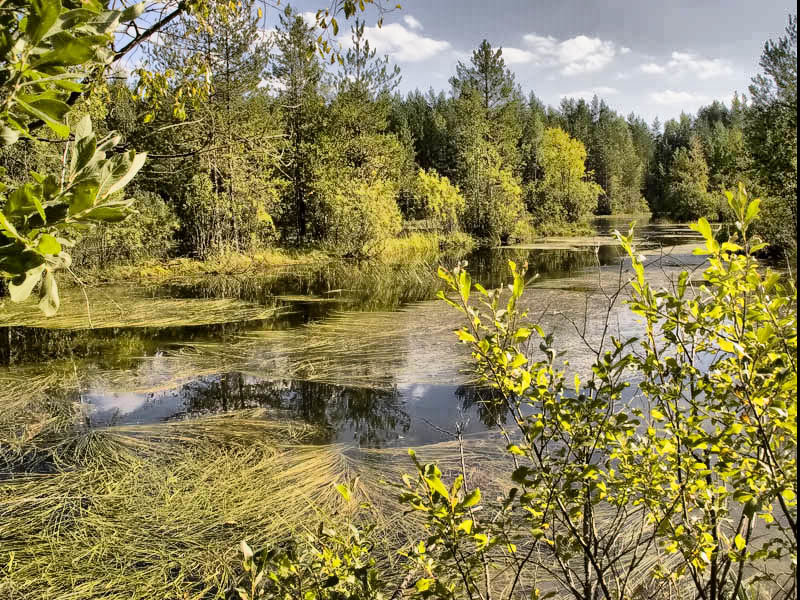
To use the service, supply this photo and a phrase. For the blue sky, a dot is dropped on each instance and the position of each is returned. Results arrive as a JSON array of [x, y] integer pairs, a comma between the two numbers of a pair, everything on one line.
[[652, 58]]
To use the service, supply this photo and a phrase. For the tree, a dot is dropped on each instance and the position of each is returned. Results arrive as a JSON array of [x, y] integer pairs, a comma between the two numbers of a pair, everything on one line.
[[566, 191], [228, 139], [487, 75], [361, 72], [688, 187], [297, 69], [771, 135]]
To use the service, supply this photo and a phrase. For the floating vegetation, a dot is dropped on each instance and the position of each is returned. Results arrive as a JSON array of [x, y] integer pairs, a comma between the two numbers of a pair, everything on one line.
[[157, 511], [129, 307]]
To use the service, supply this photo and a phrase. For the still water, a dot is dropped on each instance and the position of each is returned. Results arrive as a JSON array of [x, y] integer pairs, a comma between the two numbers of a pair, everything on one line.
[[365, 352]]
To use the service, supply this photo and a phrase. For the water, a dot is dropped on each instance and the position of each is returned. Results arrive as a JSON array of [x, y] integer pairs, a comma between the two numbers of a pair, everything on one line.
[[364, 352]]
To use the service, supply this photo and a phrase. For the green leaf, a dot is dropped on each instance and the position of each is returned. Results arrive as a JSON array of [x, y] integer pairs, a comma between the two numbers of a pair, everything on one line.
[[133, 12], [48, 244], [436, 485], [43, 16], [739, 542], [67, 51], [8, 136], [473, 498], [137, 161], [344, 492], [50, 111]]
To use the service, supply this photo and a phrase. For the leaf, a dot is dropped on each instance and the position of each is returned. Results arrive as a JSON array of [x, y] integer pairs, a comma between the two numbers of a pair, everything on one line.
[[43, 16], [435, 484], [8, 136], [50, 111], [48, 244], [739, 542], [48, 297], [136, 11], [137, 162], [20, 288], [67, 51], [343, 492], [473, 498], [83, 128], [246, 550], [703, 228]]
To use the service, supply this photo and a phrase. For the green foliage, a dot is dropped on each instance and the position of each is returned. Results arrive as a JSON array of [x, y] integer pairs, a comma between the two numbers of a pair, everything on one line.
[[329, 564], [147, 234], [565, 192], [45, 45], [356, 217], [688, 186], [690, 488], [441, 201]]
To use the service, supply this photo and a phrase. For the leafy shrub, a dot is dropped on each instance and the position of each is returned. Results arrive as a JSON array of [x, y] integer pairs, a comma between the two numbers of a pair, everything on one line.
[[218, 220], [149, 233], [357, 217], [441, 201], [692, 487]]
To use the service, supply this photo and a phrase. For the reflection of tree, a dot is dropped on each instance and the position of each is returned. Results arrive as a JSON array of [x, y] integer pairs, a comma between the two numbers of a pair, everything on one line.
[[490, 266], [488, 403], [374, 416]]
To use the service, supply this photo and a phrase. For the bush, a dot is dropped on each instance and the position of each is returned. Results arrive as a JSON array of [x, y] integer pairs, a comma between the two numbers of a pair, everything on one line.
[[149, 233], [690, 487], [440, 201], [217, 220], [357, 217]]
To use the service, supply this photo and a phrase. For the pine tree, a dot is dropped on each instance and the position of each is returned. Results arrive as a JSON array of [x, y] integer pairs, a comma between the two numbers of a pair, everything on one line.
[[298, 72], [487, 74]]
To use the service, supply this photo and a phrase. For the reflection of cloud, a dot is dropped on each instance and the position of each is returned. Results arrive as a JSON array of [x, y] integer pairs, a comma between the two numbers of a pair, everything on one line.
[[122, 402], [681, 63], [580, 54], [400, 43]]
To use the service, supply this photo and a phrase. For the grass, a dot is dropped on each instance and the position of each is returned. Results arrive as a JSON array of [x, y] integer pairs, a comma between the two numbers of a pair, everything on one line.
[[131, 307], [158, 511], [409, 248]]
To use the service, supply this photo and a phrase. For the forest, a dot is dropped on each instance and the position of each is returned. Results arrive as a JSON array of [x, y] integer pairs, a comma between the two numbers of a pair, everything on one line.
[[255, 140], [272, 330]]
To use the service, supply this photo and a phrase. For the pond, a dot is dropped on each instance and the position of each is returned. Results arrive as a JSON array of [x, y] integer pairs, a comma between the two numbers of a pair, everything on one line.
[[365, 351]]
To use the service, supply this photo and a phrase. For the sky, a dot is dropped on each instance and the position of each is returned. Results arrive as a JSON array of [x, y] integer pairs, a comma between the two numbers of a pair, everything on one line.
[[654, 58]]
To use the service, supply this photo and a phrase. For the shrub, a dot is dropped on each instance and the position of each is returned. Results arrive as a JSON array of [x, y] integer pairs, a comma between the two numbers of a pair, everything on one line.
[[149, 233], [441, 202], [358, 216], [689, 490], [217, 219]]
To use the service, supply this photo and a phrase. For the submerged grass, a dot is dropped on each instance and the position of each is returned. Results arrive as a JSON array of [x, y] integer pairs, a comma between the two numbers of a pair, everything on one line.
[[130, 307], [158, 511]]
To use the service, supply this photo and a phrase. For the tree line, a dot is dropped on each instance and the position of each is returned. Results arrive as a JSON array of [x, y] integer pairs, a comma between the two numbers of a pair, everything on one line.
[[287, 149]]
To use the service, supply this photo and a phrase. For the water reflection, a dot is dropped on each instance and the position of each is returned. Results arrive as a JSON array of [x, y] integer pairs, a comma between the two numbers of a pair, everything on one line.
[[418, 414]]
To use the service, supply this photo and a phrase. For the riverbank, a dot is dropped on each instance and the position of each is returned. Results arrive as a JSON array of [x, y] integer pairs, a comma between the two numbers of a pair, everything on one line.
[[413, 248]]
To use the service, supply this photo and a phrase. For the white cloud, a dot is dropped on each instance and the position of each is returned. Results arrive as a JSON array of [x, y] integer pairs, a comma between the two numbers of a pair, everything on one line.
[[580, 54], [310, 18], [652, 69], [589, 93], [681, 63], [670, 97], [412, 22], [624, 50], [516, 56], [400, 43]]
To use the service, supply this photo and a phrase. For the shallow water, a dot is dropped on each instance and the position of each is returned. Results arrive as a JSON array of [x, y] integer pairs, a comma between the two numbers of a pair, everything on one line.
[[364, 351]]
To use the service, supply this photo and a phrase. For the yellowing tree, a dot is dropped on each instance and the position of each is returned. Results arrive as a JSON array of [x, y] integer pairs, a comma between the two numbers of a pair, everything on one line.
[[566, 191]]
